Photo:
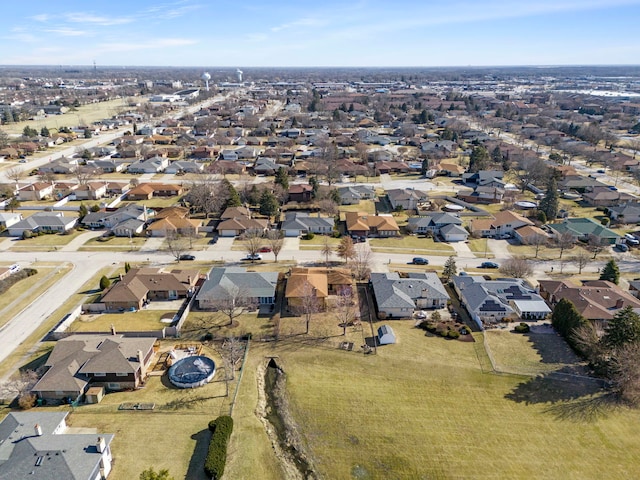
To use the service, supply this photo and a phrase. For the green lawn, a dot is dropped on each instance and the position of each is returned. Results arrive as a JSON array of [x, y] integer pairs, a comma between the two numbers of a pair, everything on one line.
[[20, 295], [423, 409], [365, 206], [479, 247], [52, 240], [113, 243], [127, 321], [411, 244]]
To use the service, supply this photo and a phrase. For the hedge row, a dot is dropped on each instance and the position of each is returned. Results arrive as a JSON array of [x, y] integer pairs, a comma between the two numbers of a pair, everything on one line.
[[221, 429]]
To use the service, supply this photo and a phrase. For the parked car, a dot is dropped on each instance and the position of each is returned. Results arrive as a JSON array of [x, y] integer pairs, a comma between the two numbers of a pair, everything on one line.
[[265, 250], [421, 315], [631, 239], [622, 247], [488, 265], [420, 261], [187, 256], [253, 257], [362, 239]]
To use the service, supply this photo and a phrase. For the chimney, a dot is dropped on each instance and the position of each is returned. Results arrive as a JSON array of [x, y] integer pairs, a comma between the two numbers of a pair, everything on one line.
[[619, 303], [143, 370], [144, 213], [189, 279], [37, 429], [120, 277], [101, 445], [113, 329]]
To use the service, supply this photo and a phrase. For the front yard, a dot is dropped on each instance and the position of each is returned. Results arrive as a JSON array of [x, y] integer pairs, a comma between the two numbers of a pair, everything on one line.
[[411, 244]]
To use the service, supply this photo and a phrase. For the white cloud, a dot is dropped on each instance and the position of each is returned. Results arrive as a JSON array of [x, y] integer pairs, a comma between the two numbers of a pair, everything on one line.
[[303, 22], [80, 17], [67, 32], [43, 17]]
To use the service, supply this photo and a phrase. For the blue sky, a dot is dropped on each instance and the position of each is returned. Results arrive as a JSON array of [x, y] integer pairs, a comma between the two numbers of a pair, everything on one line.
[[254, 33]]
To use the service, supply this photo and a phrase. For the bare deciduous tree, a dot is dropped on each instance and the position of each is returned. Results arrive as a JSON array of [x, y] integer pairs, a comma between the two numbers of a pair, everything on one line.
[[83, 174], [516, 268], [176, 244], [361, 263], [626, 374], [345, 308], [232, 302], [275, 239], [596, 244], [253, 241], [581, 260], [326, 250], [18, 386], [564, 241], [14, 174], [538, 240], [308, 303], [207, 195]]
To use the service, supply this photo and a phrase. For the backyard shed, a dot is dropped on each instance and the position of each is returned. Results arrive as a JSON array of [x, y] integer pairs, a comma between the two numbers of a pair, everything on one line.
[[94, 394], [386, 335]]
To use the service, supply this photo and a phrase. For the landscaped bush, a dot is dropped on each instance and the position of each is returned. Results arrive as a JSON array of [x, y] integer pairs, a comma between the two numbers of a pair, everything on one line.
[[309, 236], [217, 455], [453, 334], [522, 328]]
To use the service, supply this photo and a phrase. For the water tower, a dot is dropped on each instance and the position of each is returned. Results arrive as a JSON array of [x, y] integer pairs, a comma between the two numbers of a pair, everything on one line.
[[206, 77], [239, 75]]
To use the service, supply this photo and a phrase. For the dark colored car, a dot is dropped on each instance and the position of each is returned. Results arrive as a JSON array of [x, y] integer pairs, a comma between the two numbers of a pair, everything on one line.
[[420, 261], [489, 265], [187, 256], [265, 250]]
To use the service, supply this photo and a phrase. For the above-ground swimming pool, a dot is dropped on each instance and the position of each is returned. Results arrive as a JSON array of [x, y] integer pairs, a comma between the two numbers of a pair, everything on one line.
[[192, 372]]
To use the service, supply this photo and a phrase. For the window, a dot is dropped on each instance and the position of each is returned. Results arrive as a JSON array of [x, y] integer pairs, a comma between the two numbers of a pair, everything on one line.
[[99, 374], [121, 374]]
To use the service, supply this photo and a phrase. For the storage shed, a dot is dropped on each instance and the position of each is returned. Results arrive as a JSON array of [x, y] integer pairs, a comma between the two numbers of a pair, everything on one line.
[[94, 394], [386, 335]]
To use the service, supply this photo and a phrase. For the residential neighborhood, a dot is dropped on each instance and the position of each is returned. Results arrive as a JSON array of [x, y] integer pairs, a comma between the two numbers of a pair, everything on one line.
[[199, 246]]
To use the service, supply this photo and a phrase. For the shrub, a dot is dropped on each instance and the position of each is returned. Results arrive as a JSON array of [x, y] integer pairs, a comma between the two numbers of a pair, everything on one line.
[[309, 236], [453, 334], [605, 221], [522, 328], [104, 282], [26, 401], [217, 455], [335, 234], [26, 234]]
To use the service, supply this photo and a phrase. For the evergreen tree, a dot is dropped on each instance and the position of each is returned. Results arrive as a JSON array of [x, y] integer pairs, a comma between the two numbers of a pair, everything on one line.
[[479, 159], [425, 166], [335, 196], [82, 211], [104, 282], [549, 204], [268, 203], [44, 132], [565, 319], [233, 198], [450, 268], [623, 328], [282, 178], [496, 154], [313, 181], [611, 272], [127, 267]]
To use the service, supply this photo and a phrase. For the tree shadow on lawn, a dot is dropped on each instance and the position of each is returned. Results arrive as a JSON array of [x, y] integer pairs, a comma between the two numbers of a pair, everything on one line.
[[196, 464], [580, 399], [553, 349]]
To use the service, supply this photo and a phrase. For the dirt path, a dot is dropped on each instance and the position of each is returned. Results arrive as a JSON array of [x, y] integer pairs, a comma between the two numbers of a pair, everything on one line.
[[289, 469]]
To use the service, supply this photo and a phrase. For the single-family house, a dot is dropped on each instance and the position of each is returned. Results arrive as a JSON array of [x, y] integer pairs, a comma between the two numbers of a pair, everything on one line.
[[174, 224], [605, 197], [145, 191], [493, 301], [91, 191], [300, 193], [501, 226], [35, 192], [107, 166], [363, 224], [152, 165], [595, 300], [184, 166], [296, 224], [398, 297], [432, 222], [315, 282], [483, 177], [353, 194], [585, 228], [406, 198], [236, 226], [482, 194], [46, 222], [8, 219], [39, 444], [266, 166], [141, 285], [114, 362], [258, 287], [625, 213], [530, 235]]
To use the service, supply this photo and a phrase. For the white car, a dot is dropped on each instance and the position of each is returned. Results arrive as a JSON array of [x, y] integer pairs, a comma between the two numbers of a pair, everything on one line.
[[421, 315], [631, 239]]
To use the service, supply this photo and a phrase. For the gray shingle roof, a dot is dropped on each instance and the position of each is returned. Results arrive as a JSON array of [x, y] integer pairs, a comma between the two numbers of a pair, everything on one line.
[[256, 284], [391, 291]]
